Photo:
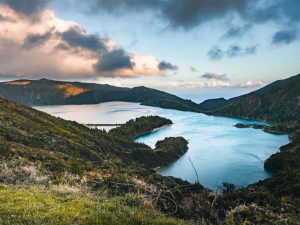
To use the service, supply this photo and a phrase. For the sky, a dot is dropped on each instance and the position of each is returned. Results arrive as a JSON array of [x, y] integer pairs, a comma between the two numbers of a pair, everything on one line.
[[208, 48]]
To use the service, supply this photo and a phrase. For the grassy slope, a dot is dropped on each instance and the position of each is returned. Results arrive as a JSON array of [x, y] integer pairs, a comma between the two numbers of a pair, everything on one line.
[[38, 149], [43, 157], [36, 205]]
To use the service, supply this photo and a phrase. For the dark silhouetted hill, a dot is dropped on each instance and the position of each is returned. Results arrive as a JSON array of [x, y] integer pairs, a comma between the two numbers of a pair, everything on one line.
[[276, 102]]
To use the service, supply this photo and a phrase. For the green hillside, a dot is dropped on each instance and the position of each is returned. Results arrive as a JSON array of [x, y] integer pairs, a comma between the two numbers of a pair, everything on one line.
[[60, 172], [276, 102]]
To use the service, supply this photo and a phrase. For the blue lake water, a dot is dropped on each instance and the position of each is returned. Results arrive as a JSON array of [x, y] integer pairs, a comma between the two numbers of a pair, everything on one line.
[[219, 151]]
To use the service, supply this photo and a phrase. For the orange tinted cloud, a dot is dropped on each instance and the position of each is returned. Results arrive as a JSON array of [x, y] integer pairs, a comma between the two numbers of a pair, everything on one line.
[[55, 48]]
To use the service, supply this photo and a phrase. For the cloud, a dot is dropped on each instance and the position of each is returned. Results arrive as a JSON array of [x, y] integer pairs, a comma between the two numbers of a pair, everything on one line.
[[189, 84], [114, 60], [33, 40], [216, 76], [177, 13], [209, 84], [193, 69], [278, 11], [167, 66], [60, 49], [245, 14], [216, 53], [251, 84], [188, 14], [236, 50], [77, 37], [285, 36], [236, 31], [121, 6], [26, 7], [6, 19]]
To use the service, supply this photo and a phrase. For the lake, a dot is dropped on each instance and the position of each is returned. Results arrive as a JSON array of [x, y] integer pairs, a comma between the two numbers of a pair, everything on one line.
[[219, 151]]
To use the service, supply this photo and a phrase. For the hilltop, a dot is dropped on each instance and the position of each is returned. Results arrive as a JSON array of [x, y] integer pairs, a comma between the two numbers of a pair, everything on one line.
[[50, 92], [276, 102]]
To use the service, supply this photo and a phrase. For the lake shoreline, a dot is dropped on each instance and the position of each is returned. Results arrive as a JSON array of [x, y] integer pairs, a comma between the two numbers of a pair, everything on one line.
[[152, 131], [125, 111]]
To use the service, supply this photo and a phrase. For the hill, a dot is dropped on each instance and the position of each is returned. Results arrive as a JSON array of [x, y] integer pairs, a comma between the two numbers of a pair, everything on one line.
[[82, 175], [276, 102], [49, 92], [60, 172]]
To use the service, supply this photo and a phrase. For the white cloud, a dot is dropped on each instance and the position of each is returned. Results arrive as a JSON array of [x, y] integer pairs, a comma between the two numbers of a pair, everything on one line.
[[251, 84]]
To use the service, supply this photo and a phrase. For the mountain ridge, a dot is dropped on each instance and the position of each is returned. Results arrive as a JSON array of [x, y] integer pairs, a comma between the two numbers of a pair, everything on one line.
[[50, 92], [276, 102]]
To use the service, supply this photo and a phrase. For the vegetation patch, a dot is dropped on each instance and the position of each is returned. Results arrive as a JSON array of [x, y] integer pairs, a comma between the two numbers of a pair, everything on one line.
[[37, 205]]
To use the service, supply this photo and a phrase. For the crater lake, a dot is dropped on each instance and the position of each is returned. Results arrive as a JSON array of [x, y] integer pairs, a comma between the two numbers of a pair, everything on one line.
[[219, 151]]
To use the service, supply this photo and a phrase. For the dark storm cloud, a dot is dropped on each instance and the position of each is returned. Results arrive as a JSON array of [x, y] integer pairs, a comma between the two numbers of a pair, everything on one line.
[[33, 40], [75, 38], [216, 53], [163, 66], [178, 13], [216, 76], [114, 60], [285, 36], [189, 13], [108, 61], [26, 7]]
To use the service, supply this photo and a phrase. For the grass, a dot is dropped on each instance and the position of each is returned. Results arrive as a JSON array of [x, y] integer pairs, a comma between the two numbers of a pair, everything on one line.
[[36, 205], [60, 172]]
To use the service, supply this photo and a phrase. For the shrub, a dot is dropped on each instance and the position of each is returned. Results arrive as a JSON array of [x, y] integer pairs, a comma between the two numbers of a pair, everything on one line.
[[4, 150], [76, 166], [228, 187]]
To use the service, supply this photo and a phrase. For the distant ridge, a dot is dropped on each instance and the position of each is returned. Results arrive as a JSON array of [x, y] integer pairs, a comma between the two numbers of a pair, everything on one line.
[[276, 102], [50, 92]]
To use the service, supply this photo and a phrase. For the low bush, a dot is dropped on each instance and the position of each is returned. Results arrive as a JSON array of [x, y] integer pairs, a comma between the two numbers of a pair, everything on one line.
[[4, 149]]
